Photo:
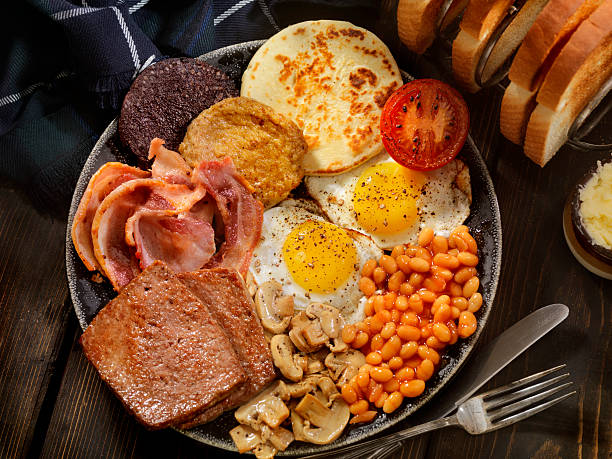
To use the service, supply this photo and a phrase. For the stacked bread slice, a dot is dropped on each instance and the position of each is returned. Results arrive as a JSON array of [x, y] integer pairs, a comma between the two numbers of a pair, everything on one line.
[[582, 67], [551, 31]]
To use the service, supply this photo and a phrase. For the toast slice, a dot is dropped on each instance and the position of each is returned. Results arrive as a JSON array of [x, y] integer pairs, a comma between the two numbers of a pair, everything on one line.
[[479, 24], [582, 67], [417, 21], [161, 351], [552, 29]]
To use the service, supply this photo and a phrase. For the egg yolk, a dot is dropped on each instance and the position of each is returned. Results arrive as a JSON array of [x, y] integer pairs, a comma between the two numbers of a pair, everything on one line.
[[386, 197], [320, 256]]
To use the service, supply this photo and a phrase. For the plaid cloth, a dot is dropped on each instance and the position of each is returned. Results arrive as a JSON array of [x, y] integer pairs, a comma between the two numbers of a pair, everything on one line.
[[70, 63]]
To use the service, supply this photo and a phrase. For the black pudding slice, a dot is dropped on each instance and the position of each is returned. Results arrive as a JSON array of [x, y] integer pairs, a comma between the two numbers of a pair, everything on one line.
[[164, 99]]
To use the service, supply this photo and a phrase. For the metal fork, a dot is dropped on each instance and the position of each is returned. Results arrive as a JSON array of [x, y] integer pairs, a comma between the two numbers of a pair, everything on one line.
[[483, 413]]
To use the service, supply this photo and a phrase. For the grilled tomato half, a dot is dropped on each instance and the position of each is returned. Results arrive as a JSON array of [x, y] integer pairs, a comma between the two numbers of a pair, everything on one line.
[[424, 124]]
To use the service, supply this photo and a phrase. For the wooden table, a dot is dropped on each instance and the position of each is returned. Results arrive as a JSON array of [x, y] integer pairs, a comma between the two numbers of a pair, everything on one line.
[[53, 404]]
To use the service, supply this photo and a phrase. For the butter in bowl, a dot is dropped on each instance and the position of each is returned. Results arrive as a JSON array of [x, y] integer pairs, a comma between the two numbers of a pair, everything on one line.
[[587, 220]]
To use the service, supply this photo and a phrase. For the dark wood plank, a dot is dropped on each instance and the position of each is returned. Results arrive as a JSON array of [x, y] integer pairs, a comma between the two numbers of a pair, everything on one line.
[[33, 315]]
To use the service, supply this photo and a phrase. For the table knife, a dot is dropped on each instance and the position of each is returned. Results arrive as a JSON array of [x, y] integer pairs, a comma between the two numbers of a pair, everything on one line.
[[491, 359]]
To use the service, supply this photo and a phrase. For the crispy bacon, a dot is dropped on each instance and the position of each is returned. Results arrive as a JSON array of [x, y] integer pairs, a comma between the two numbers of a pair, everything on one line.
[[168, 165], [242, 214], [105, 180]]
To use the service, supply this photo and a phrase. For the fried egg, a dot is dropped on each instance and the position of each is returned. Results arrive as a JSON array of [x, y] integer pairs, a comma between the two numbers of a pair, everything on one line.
[[391, 203], [313, 259]]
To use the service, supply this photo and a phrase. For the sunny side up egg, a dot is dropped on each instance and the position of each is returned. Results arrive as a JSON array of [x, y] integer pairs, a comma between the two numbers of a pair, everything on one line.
[[391, 203], [314, 260]]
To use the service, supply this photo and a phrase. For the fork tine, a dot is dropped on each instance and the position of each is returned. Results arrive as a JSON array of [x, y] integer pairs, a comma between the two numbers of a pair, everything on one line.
[[521, 382], [530, 412], [529, 401], [494, 402]]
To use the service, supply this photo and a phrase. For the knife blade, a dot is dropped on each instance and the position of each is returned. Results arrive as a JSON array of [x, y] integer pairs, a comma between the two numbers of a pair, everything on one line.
[[491, 359]]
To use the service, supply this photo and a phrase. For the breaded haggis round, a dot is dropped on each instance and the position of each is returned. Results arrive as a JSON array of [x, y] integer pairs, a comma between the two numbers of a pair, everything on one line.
[[267, 148], [165, 97]]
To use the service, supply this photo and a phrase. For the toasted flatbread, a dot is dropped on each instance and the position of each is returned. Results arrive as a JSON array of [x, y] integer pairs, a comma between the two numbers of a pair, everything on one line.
[[332, 78]]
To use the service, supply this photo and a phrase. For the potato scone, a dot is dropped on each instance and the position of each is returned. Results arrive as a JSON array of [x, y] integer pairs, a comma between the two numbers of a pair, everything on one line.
[[332, 78], [267, 148]]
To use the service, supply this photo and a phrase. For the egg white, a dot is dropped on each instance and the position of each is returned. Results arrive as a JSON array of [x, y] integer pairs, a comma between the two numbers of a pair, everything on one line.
[[268, 263], [443, 204]]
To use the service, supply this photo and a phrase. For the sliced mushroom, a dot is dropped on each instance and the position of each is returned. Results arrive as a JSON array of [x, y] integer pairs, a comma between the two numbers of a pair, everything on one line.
[[344, 365], [281, 438], [308, 384], [298, 323], [331, 323], [264, 451], [251, 285], [283, 356], [273, 309], [245, 438], [326, 410], [267, 407]]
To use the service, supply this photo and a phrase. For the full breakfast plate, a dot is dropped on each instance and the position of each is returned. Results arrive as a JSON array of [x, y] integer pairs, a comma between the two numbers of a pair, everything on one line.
[[90, 292]]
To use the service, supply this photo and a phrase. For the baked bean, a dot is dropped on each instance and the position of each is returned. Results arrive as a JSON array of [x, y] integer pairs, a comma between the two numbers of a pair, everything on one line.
[[439, 244], [412, 362], [391, 348], [381, 400], [376, 325], [435, 343], [460, 229], [464, 274], [378, 302], [442, 299], [471, 286], [467, 258], [455, 311], [423, 253], [467, 324], [445, 260], [419, 265], [453, 329], [368, 268], [379, 275], [471, 242], [441, 332], [401, 303], [443, 313], [384, 315], [392, 385], [359, 407], [405, 374], [388, 263], [361, 326], [425, 352], [408, 333], [377, 342], [435, 284], [454, 289], [349, 332], [393, 402], [348, 394], [416, 279], [396, 362], [475, 302], [374, 358], [381, 374], [410, 318], [395, 281], [453, 252], [397, 251], [363, 379], [443, 273], [368, 309], [459, 302], [427, 296], [367, 286], [425, 237], [396, 315], [425, 370], [408, 350], [403, 263], [389, 299], [375, 392], [412, 388], [363, 417], [415, 303], [426, 332], [406, 289], [388, 330], [411, 250], [360, 340], [365, 368]]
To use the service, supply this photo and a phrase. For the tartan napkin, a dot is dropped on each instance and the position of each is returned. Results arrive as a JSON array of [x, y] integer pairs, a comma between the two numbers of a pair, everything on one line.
[[69, 64]]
